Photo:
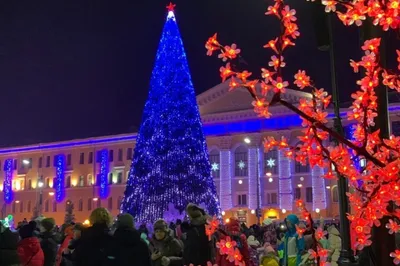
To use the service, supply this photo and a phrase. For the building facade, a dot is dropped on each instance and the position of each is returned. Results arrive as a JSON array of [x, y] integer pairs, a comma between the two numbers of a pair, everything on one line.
[[82, 171]]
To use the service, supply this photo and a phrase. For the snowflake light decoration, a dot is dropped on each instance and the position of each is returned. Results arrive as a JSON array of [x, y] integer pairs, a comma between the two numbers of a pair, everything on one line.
[[271, 162], [241, 165], [214, 167]]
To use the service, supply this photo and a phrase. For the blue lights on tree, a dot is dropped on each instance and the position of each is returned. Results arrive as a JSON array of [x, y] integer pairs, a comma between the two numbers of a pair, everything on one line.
[[170, 163], [7, 185], [103, 181], [60, 178]]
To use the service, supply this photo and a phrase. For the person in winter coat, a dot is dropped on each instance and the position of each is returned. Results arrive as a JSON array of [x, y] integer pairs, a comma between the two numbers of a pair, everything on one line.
[[254, 247], [270, 233], [68, 236], [49, 241], [166, 250], [128, 248], [292, 246], [198, 250], [233, 232], [269, 258], [68, 253], [95, 240], [8, 247], [335, 244], [29, 250]]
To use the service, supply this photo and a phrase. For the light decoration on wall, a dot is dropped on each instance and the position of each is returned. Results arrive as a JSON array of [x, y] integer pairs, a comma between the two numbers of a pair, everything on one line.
[[170, 163], [242, 165], [318, 188], [8, 176], [271, 162], [59, 185], [285, 182], [226, 180], [215, 167], [103, 175]]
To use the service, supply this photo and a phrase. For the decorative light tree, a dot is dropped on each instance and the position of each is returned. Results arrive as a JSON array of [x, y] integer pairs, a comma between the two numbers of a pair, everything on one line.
[[170, 165], [376, 183]]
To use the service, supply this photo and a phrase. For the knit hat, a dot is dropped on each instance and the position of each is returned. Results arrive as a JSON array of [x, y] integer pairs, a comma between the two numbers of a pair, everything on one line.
[[48, 223], [252, 241], [194, 211], [27, 230], [293, 219], [125, 221], [161, 225]]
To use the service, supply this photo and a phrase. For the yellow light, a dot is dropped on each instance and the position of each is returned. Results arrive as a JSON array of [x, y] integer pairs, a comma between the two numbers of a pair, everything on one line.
[[86, 222], [1, 187], [74, 182], [253, 211], [227, 221], [51, 193]]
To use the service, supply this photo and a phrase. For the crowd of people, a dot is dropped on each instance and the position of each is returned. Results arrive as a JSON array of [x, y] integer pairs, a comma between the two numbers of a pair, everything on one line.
[[107, 242]]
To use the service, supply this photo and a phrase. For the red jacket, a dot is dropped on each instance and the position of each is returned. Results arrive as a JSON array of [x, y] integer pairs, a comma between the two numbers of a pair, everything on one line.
[[63, 246], [30, 252]]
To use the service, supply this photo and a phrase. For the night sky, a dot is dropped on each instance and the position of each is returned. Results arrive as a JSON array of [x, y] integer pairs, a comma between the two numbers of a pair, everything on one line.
[[75, 69]]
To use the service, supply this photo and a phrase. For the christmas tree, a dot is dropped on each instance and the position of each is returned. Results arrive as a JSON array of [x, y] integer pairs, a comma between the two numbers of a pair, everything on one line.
[[69, 213], [170, 165]]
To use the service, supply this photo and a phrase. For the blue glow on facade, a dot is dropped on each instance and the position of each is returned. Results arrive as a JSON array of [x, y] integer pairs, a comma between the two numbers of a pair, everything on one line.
[[60, 178], [103, 182], [7, 185]]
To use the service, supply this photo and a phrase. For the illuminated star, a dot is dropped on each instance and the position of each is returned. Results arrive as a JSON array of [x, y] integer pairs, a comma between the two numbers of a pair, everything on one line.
[[171, 7], [241, 164], [214, 167], [271, 162]]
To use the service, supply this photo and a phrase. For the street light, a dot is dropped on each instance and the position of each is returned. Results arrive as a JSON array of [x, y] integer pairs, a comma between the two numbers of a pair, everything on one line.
[[40, 184], [26, 161], [247, 140]]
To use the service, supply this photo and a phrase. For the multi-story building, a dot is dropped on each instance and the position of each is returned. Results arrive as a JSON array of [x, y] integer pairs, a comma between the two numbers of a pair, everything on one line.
[[32, 172]]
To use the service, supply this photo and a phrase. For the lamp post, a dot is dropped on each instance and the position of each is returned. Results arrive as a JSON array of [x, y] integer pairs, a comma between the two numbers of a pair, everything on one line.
[[40, 185], [258, 211]]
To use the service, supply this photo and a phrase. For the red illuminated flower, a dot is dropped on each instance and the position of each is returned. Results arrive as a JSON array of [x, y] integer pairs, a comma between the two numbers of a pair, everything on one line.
[[289, 14], [229, 52], [279, 85], [329, 5], [226, 72], [276, 62], [396, 256], [301, 79]]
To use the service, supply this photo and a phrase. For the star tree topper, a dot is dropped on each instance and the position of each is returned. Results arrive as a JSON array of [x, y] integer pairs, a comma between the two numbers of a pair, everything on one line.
[[171, 7]]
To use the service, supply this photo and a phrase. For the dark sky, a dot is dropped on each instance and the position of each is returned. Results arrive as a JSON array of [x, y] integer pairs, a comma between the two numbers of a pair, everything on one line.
[[78, 68]]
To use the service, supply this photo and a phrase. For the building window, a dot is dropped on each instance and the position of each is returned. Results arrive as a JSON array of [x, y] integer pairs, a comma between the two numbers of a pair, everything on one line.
[[299, 168], [47, 161], [335, 194], [80, 205], [242, 200], [30, 163], [29, 206], [215, 163], [21, 207], [129, 154], [272, 198], [98, 202], [90, 158], [69, 159], [309, 194], [110, 178], [46, 206], [29, 184], [271, 162], [90, 180], [119, 178], [298, 193], [89, 204], [111, 155], [110, 203], [13, 207], [241, 155], [47, 182], [54, 206], [127, 176], [81, 182], [120, 155], [40, 162], [82, 158], [68, 182], [15, 164]]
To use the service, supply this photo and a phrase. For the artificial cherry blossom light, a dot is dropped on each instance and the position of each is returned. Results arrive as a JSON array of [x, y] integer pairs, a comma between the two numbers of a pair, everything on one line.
[[377, 182]]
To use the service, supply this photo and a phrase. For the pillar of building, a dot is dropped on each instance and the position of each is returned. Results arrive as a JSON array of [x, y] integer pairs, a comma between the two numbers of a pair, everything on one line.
[[254, 171], [225, 178], [318, 188], [285, 182]]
